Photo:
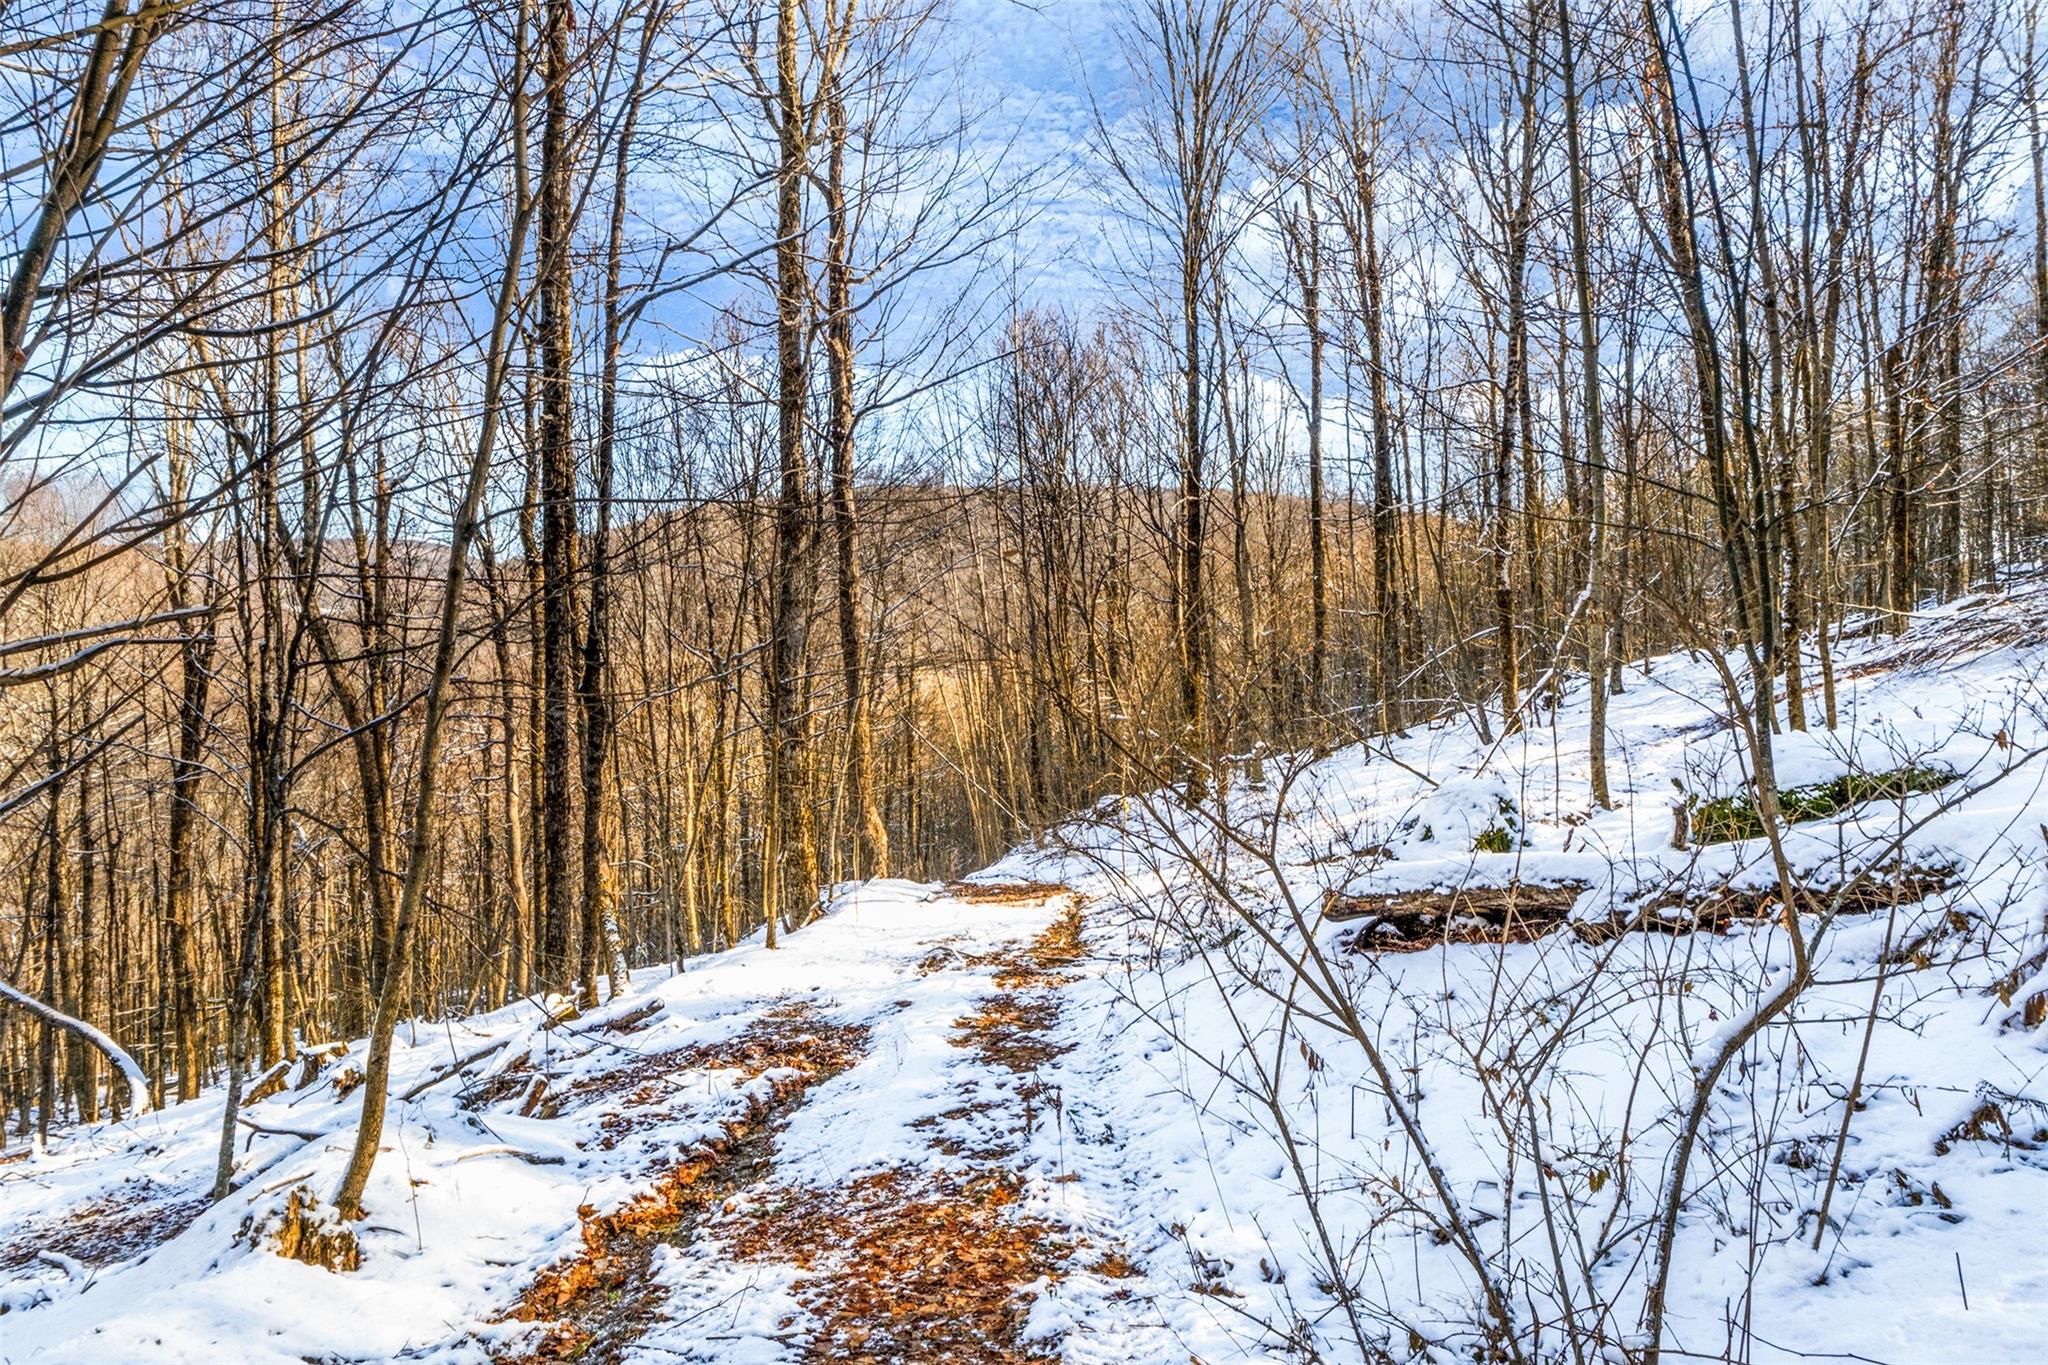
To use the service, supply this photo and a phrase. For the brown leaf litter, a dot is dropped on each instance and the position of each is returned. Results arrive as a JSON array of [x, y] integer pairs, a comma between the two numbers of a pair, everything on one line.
[[121, 1225], [600, 1299], [935, 1265], [902, 1264], [927, 1266]]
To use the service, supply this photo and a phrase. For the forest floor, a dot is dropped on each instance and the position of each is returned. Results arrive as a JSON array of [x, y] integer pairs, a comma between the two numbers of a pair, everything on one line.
[[1078, 1108], [851, 1149]]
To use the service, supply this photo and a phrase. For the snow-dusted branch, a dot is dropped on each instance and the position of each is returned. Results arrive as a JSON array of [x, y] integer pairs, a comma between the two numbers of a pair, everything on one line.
[[138, 1084]]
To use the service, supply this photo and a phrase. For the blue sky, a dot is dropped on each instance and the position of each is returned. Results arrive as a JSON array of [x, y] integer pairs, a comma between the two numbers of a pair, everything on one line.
[[1038, 65]]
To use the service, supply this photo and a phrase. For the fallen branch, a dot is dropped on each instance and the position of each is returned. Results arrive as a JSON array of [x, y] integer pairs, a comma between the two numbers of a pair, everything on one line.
[[138, 1084], [623, 1023], [72, 1267], [274, 1186], [453, 1068], [268, 1130], [505, 1149]]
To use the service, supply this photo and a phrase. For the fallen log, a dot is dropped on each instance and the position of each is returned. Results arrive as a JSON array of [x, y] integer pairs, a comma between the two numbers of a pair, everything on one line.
[[1404, 921], [271, 1130], [1519, 912], [1685, 911], [623, 1023], [453, 1068]]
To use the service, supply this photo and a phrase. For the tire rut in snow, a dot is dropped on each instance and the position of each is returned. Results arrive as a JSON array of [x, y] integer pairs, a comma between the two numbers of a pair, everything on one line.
[[600, 1300]]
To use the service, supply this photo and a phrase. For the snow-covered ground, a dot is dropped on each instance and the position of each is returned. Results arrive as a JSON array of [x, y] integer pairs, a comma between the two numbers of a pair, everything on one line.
[[1223, 1168], [459, 1225]]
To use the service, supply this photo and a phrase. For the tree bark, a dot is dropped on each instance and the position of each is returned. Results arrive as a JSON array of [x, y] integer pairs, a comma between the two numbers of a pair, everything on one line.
[[1596, 587], [870, 840], [789, 859], [558, 501]]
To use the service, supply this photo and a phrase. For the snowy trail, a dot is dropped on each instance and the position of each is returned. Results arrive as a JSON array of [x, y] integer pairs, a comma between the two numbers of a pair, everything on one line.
[[975, 1094], [959, 1099], [916, 1104]]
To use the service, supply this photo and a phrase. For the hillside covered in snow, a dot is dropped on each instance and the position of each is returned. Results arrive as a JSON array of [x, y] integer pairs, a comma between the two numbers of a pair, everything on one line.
[[1404, 1052]]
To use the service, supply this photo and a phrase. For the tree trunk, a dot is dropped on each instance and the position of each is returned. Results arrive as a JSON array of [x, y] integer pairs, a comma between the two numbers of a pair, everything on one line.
[[1514, 415], [600, 931], [789, 856], [870, 834], [1311, 277], [420, 844], [1191, 602], [1596, 587], [558, 500], [195, 665]]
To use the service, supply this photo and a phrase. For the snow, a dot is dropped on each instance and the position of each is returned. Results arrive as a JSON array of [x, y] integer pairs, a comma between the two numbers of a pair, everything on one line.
[[1217, 1122]]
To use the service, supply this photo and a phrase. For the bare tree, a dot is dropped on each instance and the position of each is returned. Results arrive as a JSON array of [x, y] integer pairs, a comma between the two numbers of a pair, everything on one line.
[[1204, 71]]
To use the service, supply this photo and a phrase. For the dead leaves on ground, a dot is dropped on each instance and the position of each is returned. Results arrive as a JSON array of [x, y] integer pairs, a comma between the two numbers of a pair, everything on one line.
[[598, 1300], [900, 1264], [1012, 1029], [119, 1226], [1004, 893], [908, 1266], [936, 1265], [788, 1037]]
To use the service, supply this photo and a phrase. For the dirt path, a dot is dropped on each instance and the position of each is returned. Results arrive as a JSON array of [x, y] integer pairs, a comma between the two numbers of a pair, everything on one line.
[[877, 1143], [883, 1204], [597, 1302]]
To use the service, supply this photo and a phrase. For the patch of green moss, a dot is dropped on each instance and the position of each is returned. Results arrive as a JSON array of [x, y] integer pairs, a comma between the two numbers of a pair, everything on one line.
[[1736, 817], [1504, 835], [1494, 840]]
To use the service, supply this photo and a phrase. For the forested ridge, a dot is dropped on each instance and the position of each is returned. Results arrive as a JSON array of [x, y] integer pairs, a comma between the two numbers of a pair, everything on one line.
[[497, 496]]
